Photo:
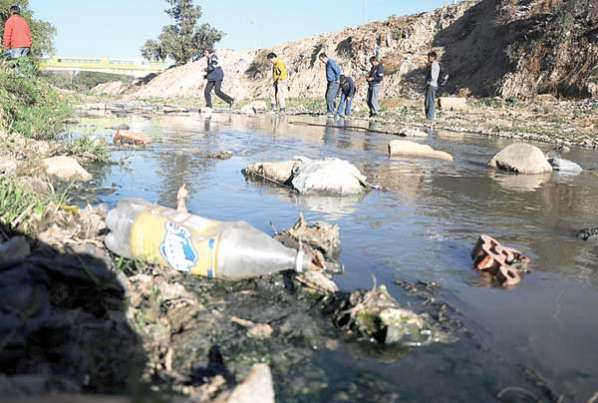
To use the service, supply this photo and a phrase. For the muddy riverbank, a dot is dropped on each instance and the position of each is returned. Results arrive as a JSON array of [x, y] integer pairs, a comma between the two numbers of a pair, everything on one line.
[[415, 239], [543, 120]]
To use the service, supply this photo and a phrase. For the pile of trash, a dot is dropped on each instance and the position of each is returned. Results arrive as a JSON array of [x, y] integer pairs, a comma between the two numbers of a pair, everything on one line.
[[375, 315], [331, 176]]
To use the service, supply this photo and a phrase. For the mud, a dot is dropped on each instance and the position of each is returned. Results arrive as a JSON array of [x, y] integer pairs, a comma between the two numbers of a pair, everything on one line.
[[422, 228]]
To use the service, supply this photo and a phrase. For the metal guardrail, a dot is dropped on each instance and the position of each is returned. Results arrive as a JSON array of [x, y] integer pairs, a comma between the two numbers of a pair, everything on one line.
[[102, 65]]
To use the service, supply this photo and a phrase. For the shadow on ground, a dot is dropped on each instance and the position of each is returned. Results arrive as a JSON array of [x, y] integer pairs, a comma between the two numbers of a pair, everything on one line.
[[63, 325]]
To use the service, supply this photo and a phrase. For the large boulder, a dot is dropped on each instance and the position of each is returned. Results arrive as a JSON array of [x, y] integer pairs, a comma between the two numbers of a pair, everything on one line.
[[66, 169], [521, 158], [403, 148]]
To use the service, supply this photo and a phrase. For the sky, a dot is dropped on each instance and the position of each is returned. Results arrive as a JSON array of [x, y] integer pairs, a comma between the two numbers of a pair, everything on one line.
[[119, 28]]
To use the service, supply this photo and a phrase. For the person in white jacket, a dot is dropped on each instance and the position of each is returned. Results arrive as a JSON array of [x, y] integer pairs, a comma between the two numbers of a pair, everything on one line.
[[432, 78]]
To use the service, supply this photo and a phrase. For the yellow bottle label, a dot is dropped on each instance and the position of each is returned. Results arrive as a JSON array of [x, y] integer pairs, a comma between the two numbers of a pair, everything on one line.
[[158, 240]]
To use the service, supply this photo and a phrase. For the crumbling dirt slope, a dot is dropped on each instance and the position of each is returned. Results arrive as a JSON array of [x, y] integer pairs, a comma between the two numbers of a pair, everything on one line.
[[489, 47]]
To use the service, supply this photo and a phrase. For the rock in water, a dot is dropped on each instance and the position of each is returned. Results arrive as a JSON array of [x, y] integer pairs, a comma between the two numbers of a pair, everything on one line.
[[66, 169], [564, 166], [329, 176], [128, 137], [403, 148], [587, 234], [412, 132], [277, 172], [258, 387], [521, 158]]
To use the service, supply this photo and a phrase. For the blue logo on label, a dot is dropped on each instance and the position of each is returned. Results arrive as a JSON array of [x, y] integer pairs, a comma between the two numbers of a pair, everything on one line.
[[177, 248]]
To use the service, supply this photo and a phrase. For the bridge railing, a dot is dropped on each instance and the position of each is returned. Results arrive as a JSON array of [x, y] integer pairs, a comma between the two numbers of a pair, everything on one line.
[[76, 63]]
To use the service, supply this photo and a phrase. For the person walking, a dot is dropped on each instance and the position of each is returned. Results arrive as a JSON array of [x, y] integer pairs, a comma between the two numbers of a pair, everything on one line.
[[375, 83], [348, 90], [431, 87], [333, 75], [215, 76], [280, 76], [17, 35]]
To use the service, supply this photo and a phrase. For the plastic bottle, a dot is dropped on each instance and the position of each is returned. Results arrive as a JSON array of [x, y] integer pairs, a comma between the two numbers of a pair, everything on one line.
[[190, 243]]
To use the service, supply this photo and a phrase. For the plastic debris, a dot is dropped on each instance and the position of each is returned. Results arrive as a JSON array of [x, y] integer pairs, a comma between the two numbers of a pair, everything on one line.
[[197, 245], [330, 176]]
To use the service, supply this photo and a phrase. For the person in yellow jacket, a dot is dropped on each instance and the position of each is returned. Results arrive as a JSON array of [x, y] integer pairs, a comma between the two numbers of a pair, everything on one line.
[[280, 76]]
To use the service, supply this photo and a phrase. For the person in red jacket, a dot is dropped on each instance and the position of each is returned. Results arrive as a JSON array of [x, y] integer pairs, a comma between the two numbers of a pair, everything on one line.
[[17, 35]]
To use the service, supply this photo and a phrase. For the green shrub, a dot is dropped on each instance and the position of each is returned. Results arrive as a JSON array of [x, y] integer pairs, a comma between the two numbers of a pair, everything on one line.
[[28, 104], [20, 206], [89, 149]]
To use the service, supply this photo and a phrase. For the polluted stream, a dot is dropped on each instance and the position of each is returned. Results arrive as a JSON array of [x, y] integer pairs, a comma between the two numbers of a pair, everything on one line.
[[540, 335]]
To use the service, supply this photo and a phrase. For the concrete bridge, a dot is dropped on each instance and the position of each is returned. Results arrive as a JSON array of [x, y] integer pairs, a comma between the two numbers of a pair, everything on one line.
[[133, 68]]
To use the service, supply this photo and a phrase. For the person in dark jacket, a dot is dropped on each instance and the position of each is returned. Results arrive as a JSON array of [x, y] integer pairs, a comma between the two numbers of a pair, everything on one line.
[[333, 76], [348, 90], [215, 76], [375, 83]]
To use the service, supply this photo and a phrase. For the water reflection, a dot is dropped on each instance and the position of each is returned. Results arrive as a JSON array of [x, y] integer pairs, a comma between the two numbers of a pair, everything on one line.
[[424, 228], [520, 183]]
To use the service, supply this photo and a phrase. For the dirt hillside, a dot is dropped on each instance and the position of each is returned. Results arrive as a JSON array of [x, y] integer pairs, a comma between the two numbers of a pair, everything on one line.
[[489, 47]]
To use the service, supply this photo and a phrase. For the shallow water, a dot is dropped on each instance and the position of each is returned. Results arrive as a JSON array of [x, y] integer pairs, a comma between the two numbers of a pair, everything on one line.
[[423, 228]]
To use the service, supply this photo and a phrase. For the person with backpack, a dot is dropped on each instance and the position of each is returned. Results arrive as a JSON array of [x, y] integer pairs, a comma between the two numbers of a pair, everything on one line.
[[215, 76], [347, 90], [375, 83], [333, 75], [17, 35], [280, 76], [432, 83]]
